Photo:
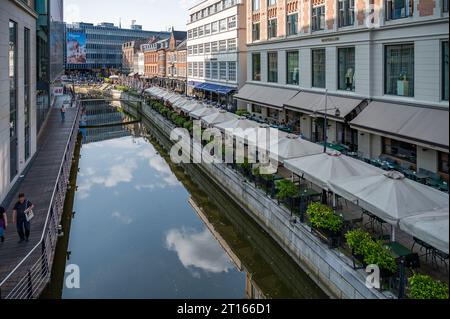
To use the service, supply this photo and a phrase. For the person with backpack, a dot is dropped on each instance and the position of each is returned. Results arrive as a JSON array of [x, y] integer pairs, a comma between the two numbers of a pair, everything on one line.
[[3, 223], [22, 214]]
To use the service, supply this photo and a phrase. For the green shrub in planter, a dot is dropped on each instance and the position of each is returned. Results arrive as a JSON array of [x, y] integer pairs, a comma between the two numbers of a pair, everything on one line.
[[188, 125], [424, 287], [286, 189], [357, 239], [323, 217], [242, 113]]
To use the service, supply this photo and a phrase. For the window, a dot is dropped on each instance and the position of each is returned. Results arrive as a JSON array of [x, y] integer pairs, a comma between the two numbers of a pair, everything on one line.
[[346, 69], [272, 28], [189, 68], [398, 9], [200, 70], [200, 49], [222, 45], [215, 27], [272, 67], [292, 24], [401, 150], [232, 71], [318, 68], [346, 12], [256, 66], [207, 48], [223, 25], [214, 71], [194, 50], [445, 67], [207, 29], [443, 162], [195, 69], [12, 53], [256, 31], [223, 71], [399, 70], [189, 34], [444, 5], [231, 45], [318, 18], [195, 32], [231, 22], [271, 3], [27, 88], [200, 31], [214, 47], [255, 5], [292, 59], [256, 108], [207, 69], [190, 50]]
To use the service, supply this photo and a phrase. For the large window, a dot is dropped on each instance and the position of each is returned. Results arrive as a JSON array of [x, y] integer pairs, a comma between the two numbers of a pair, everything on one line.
[[346, 12], [292, 60], [208, 70], [232, 71], [445, 5], [398, 9], [401, 150], [271, 3], [399, 70], [318, 68], [292, 24], [318, 18], [231, 45], [346, 68], [255, 5], [272, 28], [27, 88], [223, 71], [256, 66], [223, 25], [272, 67], [232, 22], [256, 31], [214, 70], [12, 53], [445, 67]]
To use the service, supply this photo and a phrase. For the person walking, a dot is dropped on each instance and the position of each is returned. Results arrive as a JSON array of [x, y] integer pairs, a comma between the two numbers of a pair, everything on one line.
[[22, 207], [3, 223], [63, 113]]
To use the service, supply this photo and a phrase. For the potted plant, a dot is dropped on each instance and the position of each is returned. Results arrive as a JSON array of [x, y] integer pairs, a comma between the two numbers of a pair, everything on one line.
[[325, 224], [287, 191], [424, 287]]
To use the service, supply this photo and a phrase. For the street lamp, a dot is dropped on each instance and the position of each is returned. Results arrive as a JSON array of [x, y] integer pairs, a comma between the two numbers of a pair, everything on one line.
[[337, 114]]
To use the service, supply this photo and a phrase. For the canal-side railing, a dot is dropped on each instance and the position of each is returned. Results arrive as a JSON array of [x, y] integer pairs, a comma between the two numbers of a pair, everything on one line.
[[31, 275]]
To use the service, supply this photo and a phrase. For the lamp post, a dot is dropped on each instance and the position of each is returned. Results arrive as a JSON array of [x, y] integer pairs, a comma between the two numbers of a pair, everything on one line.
[[337, 114]]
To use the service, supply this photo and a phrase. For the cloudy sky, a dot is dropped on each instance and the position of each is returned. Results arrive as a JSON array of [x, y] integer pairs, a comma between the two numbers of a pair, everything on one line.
[[155, 15]]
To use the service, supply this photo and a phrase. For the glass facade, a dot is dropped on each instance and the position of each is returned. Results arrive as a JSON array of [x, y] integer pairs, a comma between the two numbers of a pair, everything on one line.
[[346, 69], [272, 67], [26, 94], [399, 70], [292, 59], [13, 69], [318, 68]]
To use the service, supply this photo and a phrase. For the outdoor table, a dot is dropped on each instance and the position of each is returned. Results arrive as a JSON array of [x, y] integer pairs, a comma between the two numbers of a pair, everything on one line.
[[375, 221], [350, 218], [401, 252]]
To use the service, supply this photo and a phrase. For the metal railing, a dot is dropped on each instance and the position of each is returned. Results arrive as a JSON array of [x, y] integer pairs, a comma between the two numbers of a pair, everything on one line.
[[31, 275]]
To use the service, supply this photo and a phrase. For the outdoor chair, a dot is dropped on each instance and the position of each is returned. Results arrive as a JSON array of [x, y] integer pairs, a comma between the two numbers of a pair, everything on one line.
[[423, 245]]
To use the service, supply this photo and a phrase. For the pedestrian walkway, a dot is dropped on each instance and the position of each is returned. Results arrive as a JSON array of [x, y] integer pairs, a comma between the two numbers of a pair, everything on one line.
[[38, 184]]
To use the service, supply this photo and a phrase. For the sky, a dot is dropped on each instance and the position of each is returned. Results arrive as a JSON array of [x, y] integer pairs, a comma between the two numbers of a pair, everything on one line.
[[153, 15]]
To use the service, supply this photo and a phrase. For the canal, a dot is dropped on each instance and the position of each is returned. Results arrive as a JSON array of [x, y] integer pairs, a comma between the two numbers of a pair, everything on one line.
[[145, 228]]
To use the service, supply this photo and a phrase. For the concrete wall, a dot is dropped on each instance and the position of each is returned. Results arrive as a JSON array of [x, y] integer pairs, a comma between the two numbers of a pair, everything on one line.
[[9, 10]]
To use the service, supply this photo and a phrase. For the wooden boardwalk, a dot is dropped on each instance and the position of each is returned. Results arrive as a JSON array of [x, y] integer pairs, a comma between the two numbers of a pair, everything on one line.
[[38, 185]]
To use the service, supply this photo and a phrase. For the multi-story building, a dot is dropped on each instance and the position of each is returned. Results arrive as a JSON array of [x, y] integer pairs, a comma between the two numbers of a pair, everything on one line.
[[99, 47], [216, 48], [176, 56], [380, 68], [50, 54], [17, 89], [130, 51], [154, 55]]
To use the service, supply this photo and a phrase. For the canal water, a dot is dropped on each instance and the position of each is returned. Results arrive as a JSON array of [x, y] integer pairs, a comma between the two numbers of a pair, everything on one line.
[[145, 228]]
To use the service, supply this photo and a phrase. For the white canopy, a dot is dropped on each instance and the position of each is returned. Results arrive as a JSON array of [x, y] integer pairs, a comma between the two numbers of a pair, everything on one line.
[[430, 227], [192, 106], [168, 96], [240, 123], [390, 195], [181, 102], [220, 117], [175, 98], [266, 137], [292, 146], [205, 111], [322, 168]]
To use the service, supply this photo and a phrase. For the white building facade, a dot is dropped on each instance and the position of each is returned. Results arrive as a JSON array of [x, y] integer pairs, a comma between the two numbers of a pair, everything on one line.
[[380, 67], [17, 90], [216, 48]]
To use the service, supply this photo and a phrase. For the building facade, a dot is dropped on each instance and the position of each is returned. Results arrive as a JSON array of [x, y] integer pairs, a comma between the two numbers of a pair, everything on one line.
[[379, 68], [99, 47], [17, 90], [176, 59], [130, 57], [50, 54], [216, 48]]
